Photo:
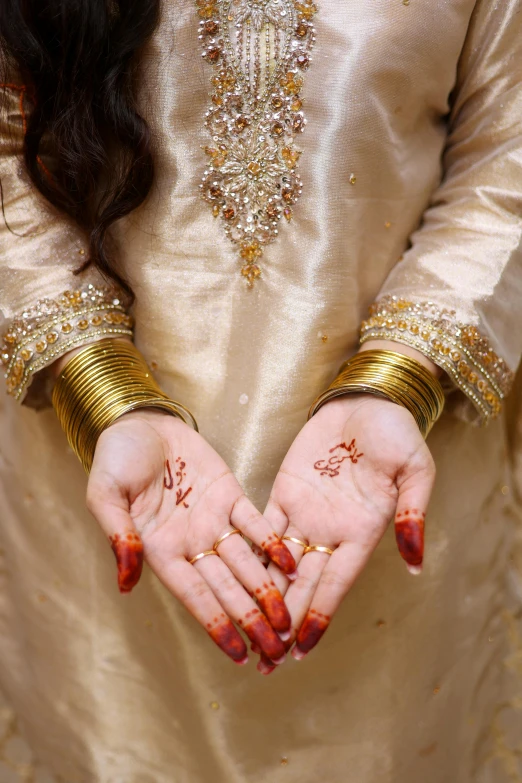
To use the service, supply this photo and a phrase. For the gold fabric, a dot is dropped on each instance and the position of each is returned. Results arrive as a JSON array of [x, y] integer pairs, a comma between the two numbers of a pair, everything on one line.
[[413, 115]]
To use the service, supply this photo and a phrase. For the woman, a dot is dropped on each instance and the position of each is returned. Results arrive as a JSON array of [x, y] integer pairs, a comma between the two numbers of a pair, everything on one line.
[[326, 141]]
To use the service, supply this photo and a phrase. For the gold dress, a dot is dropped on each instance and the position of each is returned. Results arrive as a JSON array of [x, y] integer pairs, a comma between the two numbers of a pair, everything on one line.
[[382, 163]]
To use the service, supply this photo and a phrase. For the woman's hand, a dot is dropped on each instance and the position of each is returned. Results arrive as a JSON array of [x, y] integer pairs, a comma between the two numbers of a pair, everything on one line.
[[358, 461], [160, 491]]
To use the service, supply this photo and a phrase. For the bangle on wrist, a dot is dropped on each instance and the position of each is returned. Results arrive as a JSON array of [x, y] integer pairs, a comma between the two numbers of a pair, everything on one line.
[[101, 383], [393, 376]]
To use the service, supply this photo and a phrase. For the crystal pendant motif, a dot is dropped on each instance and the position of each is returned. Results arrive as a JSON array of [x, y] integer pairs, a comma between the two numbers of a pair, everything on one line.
[[259, 50]]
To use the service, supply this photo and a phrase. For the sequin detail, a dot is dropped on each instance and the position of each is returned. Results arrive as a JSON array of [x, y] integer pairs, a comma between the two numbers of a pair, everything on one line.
[[51, 327], [259, 50], [460, 349]]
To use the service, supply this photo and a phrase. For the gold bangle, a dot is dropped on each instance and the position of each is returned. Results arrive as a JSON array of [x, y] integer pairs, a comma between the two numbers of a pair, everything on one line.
[[393, 376], [101, 383]]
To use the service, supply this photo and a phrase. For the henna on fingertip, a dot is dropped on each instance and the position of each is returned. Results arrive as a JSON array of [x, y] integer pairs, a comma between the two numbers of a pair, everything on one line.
[[314, 626], [223, 632], [128, 550], [280, 555], [261, 633], [409, 534], [271, 602]]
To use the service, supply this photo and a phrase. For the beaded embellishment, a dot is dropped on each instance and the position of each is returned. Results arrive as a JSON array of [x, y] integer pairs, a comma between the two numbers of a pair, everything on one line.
[[259, 50], [460, 349], [51, 327]]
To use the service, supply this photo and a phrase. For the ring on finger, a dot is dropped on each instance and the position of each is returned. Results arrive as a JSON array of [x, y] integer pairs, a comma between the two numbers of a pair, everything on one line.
[[225, 536], [296, 541], [201, 555], [318, 548]]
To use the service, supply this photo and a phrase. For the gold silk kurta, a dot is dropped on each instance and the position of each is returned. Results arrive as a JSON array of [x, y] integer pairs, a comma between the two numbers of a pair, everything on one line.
[[403, 186]]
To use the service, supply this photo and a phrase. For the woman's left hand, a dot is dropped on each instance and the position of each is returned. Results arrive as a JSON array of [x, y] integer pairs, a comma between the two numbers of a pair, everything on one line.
[[356, 462]]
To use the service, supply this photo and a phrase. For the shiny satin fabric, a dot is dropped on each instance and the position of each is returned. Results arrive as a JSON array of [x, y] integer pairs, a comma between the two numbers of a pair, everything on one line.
[[418, 678]]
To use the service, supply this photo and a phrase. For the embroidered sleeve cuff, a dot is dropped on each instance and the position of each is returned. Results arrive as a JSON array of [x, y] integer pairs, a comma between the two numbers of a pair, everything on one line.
[[460, 349], [51, 327]]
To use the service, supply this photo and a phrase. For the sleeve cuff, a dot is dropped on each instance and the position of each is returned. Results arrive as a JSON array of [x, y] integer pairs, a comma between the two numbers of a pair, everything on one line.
[[51, 327], [459, 349]]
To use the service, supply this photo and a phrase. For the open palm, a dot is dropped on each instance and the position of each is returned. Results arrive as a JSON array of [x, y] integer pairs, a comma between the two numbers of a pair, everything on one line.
[[160, 492], [354, 464]]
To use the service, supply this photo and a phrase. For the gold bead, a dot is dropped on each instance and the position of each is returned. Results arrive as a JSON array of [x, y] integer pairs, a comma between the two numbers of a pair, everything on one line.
[[66, 328], [52, 338], [83, 324], [40, 346]]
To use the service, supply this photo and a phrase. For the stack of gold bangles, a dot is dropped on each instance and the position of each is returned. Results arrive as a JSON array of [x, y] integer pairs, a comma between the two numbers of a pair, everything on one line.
[[100, 384], [393, 376]]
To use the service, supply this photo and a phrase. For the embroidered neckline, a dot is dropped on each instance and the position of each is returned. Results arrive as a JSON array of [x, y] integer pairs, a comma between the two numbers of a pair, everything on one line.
[[259, 50]]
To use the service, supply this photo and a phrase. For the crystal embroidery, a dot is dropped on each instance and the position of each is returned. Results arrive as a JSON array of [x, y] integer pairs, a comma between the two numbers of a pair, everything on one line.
[[460, 349], [259, 50]]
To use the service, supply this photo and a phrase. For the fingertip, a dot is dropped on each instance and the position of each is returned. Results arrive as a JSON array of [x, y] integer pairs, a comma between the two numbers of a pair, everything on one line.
[[285, 635], [293, 576], [414, 569], [264, 669], [298, 654], [280, 660], [243, 661]]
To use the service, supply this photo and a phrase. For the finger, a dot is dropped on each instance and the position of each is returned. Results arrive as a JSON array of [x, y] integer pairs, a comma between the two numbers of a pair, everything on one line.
[[297, 550], [111, 512], [240, 607], [414, 494], [247, 518], [338, 575], [247, 569], [301, 592], [192, 590]]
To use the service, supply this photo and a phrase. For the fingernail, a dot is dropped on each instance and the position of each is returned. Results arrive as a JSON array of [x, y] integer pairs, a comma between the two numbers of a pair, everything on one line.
[[279, 661], [293, 576], [285, 636], [243, 661], [264, 669], [298, 654], [414, 569]]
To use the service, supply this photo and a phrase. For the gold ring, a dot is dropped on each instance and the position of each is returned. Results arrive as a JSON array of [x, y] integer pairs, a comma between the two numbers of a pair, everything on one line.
[[224, 536], [202, 555], [295, 541], [318, 548]]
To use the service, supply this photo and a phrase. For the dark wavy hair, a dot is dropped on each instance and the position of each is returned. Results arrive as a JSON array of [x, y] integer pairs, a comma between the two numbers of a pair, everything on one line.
[[77, 60]]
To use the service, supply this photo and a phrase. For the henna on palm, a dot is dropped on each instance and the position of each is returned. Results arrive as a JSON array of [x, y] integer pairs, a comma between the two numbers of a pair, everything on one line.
[[331, 467]]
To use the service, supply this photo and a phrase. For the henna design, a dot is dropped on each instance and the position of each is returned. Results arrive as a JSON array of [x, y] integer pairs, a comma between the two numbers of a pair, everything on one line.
[[331, 466], [279, 554], [409, 534], [259, 631], [170, 483], [128, 550], [271, 602], [223, 632], [313, 627], [180, 474]]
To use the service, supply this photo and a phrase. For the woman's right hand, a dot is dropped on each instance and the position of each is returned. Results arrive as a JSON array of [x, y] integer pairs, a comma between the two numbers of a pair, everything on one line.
[[161, 492]]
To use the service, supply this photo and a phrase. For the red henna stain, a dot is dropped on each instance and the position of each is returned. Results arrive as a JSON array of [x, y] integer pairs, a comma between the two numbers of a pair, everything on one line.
[[409, 533], [129, 558], [272, 603], [279, 554], [228, 638], [180, 496], [268, 663], [313, 627], [170, 483], [261, 633], [332, 466]]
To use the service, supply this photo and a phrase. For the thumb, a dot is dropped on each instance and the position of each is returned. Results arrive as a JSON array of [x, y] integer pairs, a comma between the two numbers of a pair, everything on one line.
[[110, 508], [415, 485]]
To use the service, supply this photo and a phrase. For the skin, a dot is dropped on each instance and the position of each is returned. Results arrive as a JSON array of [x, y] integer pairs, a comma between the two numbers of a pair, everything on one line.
[[162, 494], [358, 464]]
